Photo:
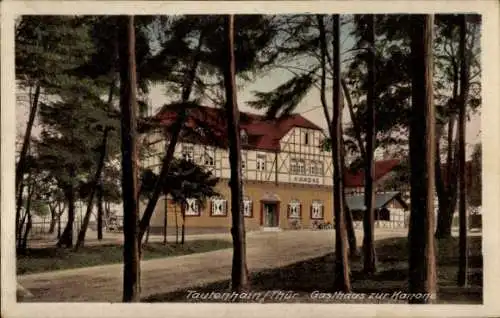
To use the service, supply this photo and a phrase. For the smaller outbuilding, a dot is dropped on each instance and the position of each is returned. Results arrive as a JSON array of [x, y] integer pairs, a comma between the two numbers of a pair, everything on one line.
[[390, 209]]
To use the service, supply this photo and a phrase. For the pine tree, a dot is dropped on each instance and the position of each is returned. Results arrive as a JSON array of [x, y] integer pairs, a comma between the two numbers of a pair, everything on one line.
[[239, 274], [128, 106], [47, 48], [342, 273]]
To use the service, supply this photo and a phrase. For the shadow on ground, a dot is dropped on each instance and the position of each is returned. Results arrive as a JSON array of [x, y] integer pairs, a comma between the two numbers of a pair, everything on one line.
[[37, 260], [307, 281]]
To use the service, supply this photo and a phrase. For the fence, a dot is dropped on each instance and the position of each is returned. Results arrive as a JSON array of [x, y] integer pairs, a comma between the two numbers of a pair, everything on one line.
[[40, 229]]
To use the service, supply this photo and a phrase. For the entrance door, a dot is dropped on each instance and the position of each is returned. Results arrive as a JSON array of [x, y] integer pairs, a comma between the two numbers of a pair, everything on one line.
[[270, 215]]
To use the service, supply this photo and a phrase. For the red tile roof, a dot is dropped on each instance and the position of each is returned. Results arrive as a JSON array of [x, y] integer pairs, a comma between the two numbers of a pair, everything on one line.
[[382, 168], [263, 133]]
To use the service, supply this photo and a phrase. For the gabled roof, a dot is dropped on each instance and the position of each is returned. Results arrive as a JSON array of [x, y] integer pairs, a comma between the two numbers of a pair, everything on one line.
[[382, 168], [263, 133], [357, 202]]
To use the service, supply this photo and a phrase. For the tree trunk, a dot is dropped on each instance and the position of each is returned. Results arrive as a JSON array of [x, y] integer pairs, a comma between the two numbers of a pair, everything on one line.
[[183, 226], [169, 154], [183, 231], [128, 107], [176, 228], [351, 233], [23, 239], [422, 259], [342, 276], [239, 273], [167, 159], [349, 221], [441, 191], [165, 215], [462, 208], [146, 240], [19, 239], [447, 189], [24, 244], [19, 206], [20, 224], [21, 165], [66, 237], [369, 217], [324, 55], [100, 211], [354, 119], [59, 226], [95, 184], [53, 219]]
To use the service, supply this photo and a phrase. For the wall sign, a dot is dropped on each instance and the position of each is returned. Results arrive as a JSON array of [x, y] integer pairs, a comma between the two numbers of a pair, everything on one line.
[[310, 180]]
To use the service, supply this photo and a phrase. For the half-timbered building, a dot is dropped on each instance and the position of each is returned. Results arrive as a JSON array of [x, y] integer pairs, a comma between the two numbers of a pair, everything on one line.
[[287, 175]]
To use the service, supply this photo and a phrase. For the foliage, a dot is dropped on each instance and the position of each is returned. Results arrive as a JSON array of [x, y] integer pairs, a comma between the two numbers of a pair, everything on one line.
[[392, 62], [185, 180], [186, 39], [48, 46], [39, 208]]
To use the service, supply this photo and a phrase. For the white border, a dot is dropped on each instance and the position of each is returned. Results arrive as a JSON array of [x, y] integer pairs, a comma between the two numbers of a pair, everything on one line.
[[489, 133]]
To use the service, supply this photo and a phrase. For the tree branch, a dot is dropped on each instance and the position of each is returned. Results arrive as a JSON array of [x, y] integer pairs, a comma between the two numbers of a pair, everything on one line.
[[355, 123]]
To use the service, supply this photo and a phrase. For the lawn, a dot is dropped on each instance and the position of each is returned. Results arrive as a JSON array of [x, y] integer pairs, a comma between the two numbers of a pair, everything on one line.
[[308, 278], [52, 258]]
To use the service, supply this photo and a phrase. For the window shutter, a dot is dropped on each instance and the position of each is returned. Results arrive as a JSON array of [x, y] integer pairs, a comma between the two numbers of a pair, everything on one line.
[[251, 208], [311, 211], [322, 211], [300, 210], [289, 210], [225, 207], [211, 207]]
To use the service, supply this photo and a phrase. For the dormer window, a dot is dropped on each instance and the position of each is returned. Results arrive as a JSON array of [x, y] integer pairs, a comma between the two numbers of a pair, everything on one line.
[[243, 136]]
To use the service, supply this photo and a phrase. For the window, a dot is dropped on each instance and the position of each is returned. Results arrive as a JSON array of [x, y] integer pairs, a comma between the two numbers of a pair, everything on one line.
[[192, 207], [243, 136], [317, 210], [208, 160], [261, 162], [294, 209], [294, 167], [306, 138], [302, 167], [316, 168], [297, 166], [188, 152], [247, 207], [312, 167], [219, 207]]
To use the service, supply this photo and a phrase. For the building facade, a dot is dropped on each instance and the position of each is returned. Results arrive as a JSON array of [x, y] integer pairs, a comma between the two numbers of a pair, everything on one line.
[[287, 176]]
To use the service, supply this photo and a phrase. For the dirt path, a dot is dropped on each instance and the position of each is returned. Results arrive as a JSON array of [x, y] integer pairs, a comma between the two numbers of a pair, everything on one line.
[[104, 283]]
